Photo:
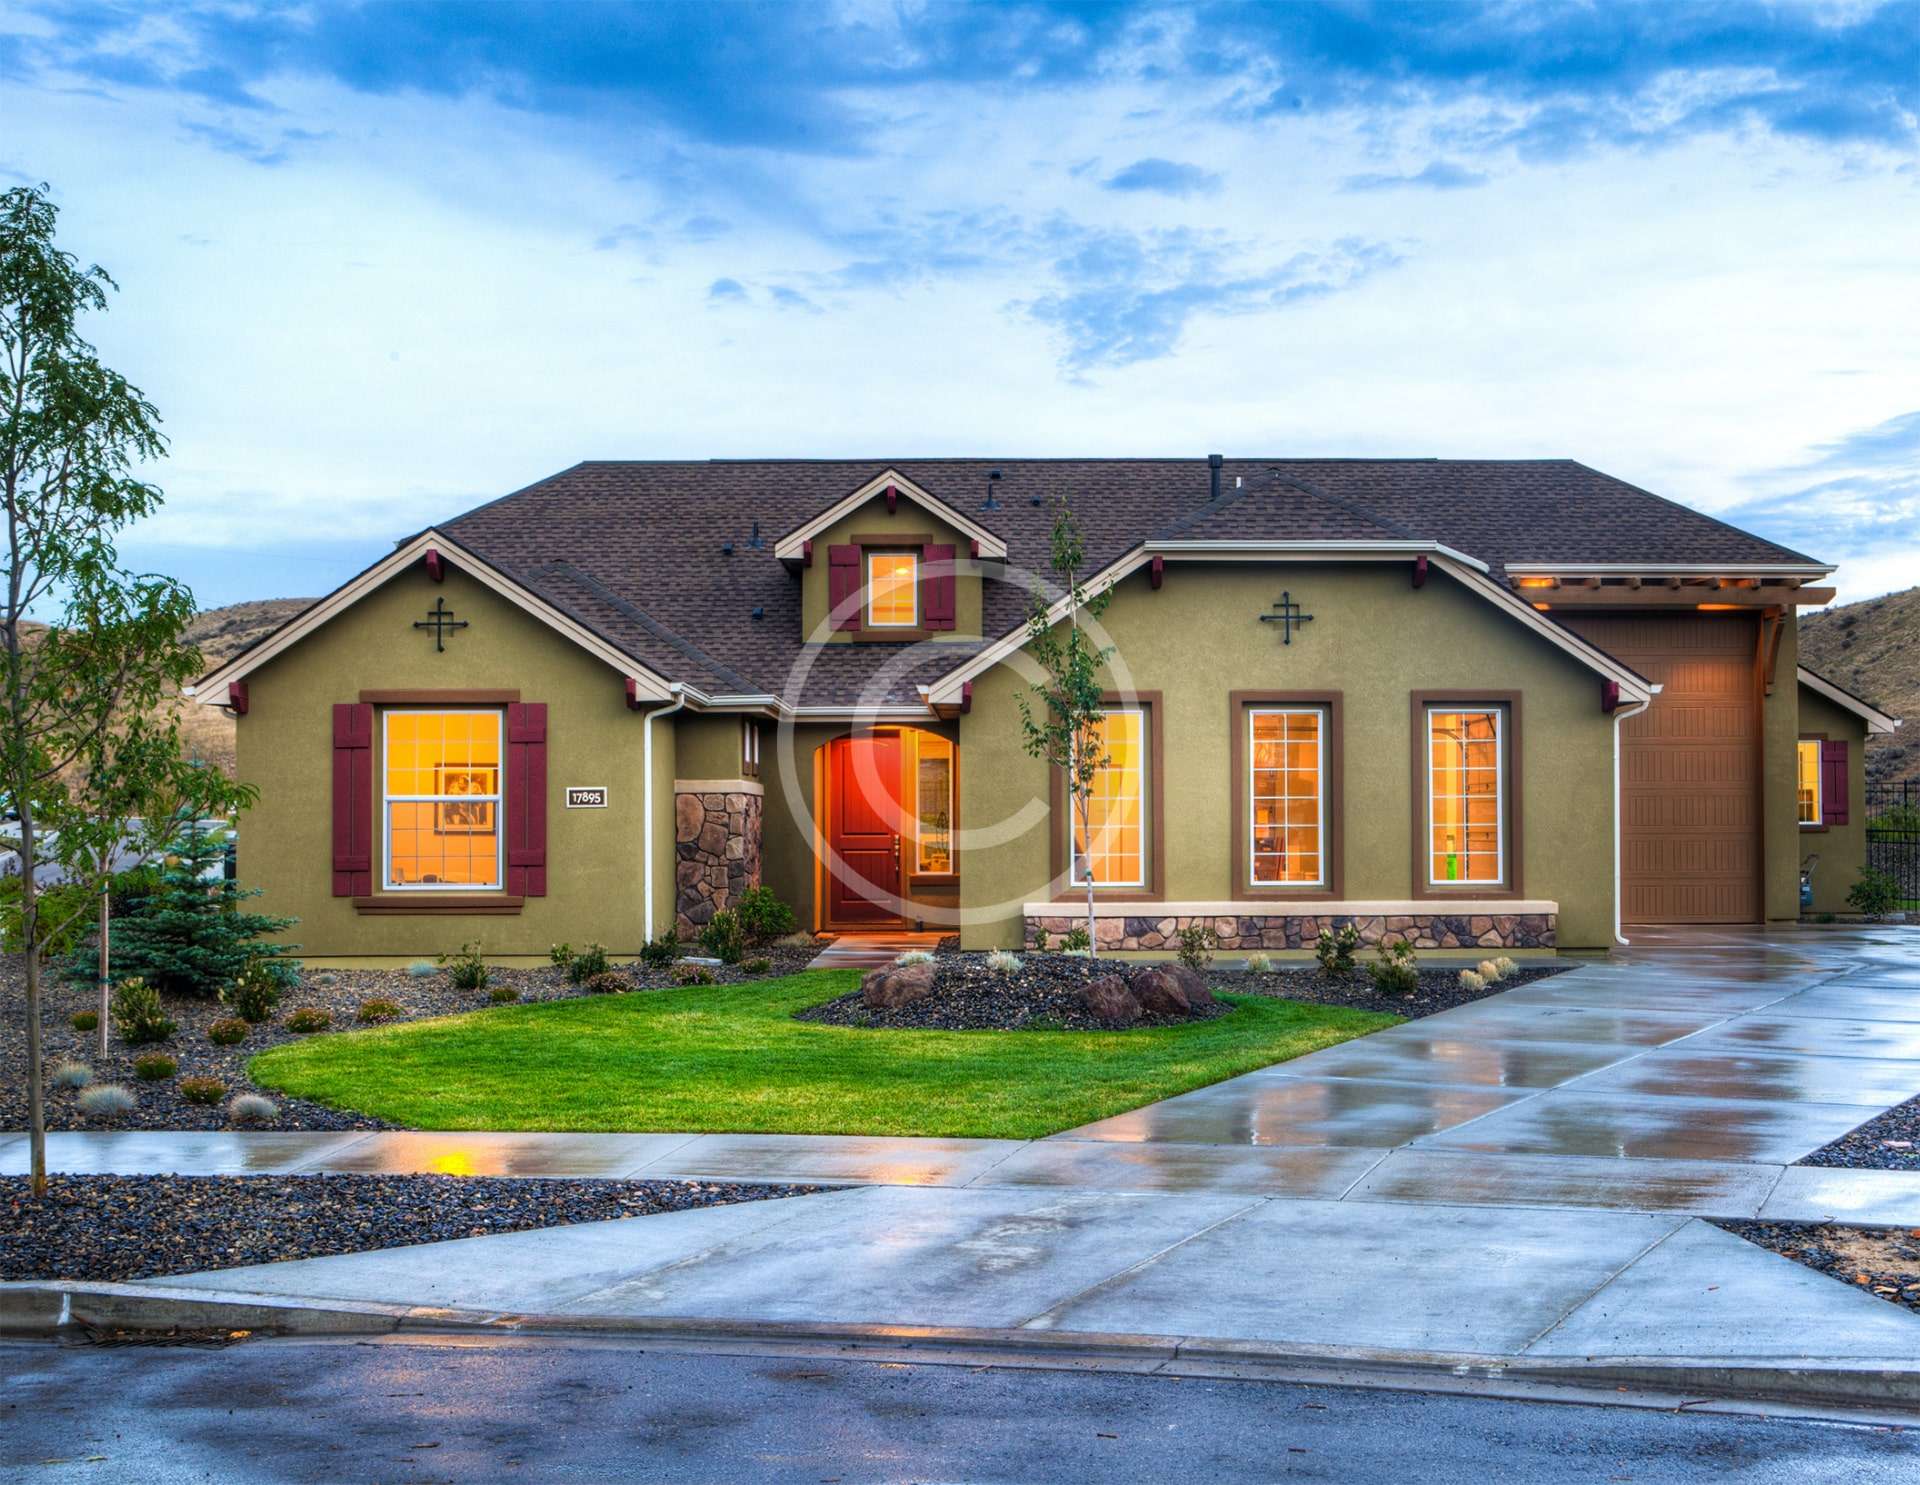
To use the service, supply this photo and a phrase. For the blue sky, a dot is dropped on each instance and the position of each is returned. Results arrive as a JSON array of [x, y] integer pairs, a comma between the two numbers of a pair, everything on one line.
[[381, 262]]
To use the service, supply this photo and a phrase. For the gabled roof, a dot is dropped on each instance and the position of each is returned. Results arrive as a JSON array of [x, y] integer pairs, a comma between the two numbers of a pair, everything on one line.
[[1877, 721], [673, 565]]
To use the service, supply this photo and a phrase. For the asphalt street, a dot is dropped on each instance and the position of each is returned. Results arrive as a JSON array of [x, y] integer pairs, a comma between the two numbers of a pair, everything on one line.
[[434, 1410]]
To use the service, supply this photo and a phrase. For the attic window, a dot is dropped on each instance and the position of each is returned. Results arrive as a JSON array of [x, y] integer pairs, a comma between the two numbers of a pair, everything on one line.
[[893, 590]]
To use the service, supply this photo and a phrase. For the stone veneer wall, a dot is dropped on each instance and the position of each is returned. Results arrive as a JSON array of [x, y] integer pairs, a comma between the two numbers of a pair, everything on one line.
[[1290, 931], [717, 839]]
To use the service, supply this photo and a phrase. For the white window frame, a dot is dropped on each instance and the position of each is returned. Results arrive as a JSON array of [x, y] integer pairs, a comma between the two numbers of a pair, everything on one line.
[[1074, 879], [498, 798], [1465, 884], [914, 586], [749, 748], [1320, 778], [1819, 781]]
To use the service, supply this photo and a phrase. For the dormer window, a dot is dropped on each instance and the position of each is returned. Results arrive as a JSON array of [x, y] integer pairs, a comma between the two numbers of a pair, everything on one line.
[[893, 590]]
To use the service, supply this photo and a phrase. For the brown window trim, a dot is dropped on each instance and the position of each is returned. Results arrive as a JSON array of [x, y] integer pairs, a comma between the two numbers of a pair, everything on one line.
[[420, 905], [1820, 826], [1333, 815], [1515, 884], [438, 698], [1060, 827], [951, 876], [904, 541], [887, 634]]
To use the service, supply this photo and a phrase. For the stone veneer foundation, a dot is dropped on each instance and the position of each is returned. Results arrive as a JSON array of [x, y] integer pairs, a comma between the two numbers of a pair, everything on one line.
[[1298, 931], [717, 839]]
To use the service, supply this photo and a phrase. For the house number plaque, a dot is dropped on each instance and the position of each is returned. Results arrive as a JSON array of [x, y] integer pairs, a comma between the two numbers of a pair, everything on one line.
[[587, 797]]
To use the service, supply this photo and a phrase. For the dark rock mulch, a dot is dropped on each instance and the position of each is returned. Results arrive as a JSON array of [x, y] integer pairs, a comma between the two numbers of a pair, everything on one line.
[[1883, 1262], [1889, 1141], [338, 992], [1044, 994], [135, 1227]]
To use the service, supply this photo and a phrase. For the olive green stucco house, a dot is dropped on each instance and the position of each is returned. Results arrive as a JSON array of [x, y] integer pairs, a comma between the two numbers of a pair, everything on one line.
[[1474, 703]]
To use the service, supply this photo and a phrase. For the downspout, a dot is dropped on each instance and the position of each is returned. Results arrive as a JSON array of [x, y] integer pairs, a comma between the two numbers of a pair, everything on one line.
[[1619, 717], [678, 691]]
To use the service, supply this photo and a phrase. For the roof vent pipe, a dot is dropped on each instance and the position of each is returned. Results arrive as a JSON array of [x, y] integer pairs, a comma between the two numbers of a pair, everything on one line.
[[1214, 461]]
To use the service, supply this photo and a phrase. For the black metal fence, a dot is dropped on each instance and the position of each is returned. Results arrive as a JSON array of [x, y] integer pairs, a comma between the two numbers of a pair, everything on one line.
[[1893, 834]]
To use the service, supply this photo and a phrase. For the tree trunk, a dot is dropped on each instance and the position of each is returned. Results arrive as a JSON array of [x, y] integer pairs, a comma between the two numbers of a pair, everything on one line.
[[1086, 871], [106, 991], [36, 1074]]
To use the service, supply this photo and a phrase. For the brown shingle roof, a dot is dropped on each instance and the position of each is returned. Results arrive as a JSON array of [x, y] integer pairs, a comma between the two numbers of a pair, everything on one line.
[[635, 550]]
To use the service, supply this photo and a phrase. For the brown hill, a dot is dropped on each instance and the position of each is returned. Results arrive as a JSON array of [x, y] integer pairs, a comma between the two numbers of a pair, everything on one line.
[[1873, 649], [222, 633]]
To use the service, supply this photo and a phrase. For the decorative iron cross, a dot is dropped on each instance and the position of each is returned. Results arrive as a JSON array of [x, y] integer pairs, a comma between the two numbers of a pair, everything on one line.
[[1289, 618], [440, 619]]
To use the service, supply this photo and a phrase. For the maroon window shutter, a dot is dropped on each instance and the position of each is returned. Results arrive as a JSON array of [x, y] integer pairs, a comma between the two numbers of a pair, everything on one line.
[[352, 799], [526, 802], [936, 587], [843, 585], [1833, 783]]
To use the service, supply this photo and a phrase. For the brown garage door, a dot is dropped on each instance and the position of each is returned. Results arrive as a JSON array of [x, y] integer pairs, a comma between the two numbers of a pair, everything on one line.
[[1689, 767]]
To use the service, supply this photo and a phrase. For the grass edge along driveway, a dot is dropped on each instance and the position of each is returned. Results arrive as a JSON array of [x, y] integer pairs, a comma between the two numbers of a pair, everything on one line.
[[723, 1059]]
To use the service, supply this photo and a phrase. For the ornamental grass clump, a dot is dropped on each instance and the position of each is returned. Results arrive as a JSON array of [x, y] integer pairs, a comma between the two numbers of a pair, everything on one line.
[[466, 970], [306, 1018], [252, 1108], [1396, 971], [913, 956], [1472, 981], [70, 1075], [138, 1015], [422, 969], [373, 1012], [254, 993], [203, 1091], [84, 1020], [228, 1031], [1505, 965], [1002, 962], [502, 994], [155, 1067], [107, 1101], [1260, 964]]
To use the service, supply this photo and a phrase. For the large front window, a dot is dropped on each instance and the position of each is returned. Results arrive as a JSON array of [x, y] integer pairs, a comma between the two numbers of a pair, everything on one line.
[[1466, 796], [1809, 773], [893, 590], [441, 805], [1287, 799], [1112, 846]]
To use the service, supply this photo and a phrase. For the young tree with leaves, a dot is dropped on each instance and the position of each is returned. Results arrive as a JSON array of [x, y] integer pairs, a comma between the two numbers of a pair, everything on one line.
[[79, 741], [1060, 716]]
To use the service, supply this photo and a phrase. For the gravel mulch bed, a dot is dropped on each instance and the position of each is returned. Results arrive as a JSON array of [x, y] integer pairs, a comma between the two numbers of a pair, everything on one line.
[[1884, 1262], [136, 1227], [1044, 994], [1889, 1141], [338, 992]]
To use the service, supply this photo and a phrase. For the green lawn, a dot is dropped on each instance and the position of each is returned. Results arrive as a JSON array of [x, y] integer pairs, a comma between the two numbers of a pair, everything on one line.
[[732, 1058]]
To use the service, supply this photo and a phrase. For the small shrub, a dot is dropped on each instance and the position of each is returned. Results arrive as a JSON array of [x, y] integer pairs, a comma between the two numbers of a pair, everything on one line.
[[1197, 943], [466, 970], [84, 1020], [206, 1091], [70, 1075], [228, 1031], [107, 1101], [760, 966], [501, 994], [913, 956], [560, 955], [373, 1012], [660, 951], [1039, 939], [687, 973], [589, 962], [252, 1108], [1335, 948], [1075, 941], [763, 916], [422, 969], [800, 940], [1873, 893], [1001, 962], [723, 937], [1260, 964], [1396, 971], [326, 981], [306, 1018], [138, 1015], [608, 982], [1472, 981], [155, 1067], [254, 995]]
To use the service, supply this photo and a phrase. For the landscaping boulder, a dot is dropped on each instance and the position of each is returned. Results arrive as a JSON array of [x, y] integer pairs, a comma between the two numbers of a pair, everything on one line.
[[1110, 1001], [1192, 983], [897, 985], [1160, 994]]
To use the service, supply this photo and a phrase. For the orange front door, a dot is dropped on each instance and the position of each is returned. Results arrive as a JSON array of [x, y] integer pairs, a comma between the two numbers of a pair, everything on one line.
[[863, 830]]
